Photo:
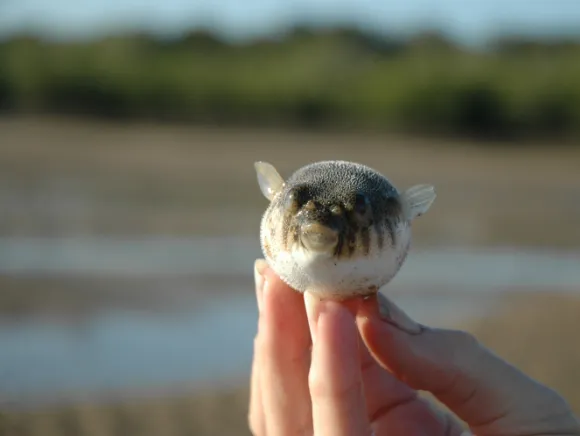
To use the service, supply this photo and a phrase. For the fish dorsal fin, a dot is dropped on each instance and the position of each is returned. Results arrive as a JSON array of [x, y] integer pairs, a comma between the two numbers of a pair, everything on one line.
[[269, 180], [417, 200]]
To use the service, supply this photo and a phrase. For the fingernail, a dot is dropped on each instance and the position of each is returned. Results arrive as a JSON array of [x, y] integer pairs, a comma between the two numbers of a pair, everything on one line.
[[313, 308], [260, 266], [467, 433], [390, 313]]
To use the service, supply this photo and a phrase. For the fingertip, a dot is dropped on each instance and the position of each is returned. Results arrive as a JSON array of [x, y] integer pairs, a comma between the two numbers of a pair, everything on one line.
[[285, 357], [260, 268], [377, 336], [276, 284], [276, 290], [313, 305], [335, 378], [382, 308], [335, 355], [283, 313], [333, 317], [374, 330]]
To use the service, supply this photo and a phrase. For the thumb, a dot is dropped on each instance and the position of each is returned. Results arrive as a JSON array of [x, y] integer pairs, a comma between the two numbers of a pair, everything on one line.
[[492, 396]]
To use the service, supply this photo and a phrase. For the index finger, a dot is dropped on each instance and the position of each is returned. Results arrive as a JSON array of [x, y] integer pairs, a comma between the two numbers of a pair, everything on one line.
[[491, 395], [335, 379], [284, 349]]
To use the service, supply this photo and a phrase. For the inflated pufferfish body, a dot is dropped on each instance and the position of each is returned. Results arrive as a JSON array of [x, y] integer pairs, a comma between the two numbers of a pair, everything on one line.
[[337, 229]]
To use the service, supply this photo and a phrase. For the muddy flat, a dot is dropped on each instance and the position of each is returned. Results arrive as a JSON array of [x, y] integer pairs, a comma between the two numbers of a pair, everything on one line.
[[63, 177]]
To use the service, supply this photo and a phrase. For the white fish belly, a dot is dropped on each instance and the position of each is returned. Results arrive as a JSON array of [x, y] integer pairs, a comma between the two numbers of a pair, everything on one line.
[[326, 276]]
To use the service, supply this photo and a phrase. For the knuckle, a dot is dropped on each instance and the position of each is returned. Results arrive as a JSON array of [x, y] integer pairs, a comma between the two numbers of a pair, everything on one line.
[[465, 349], [463, 339]]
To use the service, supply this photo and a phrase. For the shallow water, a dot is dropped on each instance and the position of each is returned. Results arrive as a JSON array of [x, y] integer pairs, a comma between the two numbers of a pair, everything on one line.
[[119, 350], [455, 267], [211, 341], [125, 350]]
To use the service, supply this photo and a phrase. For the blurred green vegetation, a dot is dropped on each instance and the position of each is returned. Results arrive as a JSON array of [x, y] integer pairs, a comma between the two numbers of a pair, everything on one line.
[[331, 78]]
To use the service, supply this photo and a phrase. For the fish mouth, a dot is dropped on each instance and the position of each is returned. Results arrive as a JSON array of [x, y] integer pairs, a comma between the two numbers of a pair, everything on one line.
[[318, 238]]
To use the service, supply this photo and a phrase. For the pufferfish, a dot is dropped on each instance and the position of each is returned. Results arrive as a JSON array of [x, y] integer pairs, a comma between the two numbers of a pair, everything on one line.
[[337, 229]]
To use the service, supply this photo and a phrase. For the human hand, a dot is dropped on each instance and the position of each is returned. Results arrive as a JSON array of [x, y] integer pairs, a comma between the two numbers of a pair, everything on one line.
[[312, 374]]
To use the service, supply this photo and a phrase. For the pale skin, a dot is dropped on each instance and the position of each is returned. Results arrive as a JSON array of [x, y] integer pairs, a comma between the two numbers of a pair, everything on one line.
[[313, 374]]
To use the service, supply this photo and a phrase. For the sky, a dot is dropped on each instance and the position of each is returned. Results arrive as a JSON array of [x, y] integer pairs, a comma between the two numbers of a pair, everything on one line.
[[468, 21]]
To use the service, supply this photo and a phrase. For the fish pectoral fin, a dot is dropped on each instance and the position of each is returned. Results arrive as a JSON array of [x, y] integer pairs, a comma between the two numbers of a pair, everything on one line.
[[417, 200], [269, 180]]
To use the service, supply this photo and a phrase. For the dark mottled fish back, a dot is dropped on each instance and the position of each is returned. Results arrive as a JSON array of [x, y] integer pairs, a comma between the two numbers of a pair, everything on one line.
[[331, 181]]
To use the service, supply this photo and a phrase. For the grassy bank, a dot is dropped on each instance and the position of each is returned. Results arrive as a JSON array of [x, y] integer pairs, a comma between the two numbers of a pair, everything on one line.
[[338, 78], [535, 332]]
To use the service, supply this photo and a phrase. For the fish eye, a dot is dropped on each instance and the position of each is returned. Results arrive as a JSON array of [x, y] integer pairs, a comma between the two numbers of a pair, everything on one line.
[[296, 198], [361, 203], [336, 210]]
